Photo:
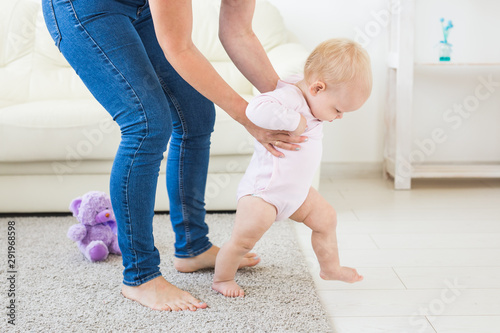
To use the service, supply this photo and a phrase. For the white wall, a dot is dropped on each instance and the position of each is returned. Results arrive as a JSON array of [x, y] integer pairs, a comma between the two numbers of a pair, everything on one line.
[[359, 136]]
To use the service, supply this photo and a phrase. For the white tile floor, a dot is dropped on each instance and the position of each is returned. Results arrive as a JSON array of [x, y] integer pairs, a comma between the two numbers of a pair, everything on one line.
[[430, 256]]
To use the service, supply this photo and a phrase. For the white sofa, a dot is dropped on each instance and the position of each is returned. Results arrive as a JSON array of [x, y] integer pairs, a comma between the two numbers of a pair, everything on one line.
[[57, 142]]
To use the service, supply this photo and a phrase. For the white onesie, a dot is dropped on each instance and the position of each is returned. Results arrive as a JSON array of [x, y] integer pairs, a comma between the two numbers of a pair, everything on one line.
[[282, 182]]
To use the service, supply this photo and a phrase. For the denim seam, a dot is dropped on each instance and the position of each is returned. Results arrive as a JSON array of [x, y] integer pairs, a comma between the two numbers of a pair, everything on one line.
[[181, 163], [140, 144], [139, 11], [141, 281], [194, 254], [59, 36]]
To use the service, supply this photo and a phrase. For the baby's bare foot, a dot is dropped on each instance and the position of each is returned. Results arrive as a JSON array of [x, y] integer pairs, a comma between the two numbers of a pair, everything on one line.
[[207, 260], [345, 274], [228, 288], [159, 294]]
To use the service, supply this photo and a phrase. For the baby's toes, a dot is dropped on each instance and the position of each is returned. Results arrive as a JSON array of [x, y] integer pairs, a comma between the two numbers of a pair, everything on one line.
[[355, 276]]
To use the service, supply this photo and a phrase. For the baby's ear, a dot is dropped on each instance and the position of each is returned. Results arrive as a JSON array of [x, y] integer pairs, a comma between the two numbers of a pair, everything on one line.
[[317, 87], [75, 206]]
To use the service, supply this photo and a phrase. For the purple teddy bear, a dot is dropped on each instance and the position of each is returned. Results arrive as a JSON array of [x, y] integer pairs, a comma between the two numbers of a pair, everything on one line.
[[96, 232]]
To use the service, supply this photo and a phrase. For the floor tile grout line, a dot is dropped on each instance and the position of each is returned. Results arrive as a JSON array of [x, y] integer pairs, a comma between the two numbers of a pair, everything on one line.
[[373, 240], [400, 289], [394, 270], [404, 267], [406, 316], [355, 215], [432, 326], [426, 248], [431, 233]]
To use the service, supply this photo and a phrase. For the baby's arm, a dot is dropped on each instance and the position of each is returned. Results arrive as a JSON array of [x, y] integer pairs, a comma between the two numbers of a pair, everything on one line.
[[301, 128], [268, 112]]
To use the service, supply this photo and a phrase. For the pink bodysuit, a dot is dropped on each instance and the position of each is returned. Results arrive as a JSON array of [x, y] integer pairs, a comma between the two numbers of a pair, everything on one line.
[[282, 182]]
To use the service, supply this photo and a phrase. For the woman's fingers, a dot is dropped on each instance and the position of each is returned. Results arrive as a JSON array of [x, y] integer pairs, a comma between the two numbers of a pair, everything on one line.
[[276, 139], [285, 137], [273, 151], [288, 142], [284, 141], [287, 146]]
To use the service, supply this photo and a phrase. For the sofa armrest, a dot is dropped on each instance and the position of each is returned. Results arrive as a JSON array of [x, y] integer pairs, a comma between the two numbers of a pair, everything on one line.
[[287, 59]]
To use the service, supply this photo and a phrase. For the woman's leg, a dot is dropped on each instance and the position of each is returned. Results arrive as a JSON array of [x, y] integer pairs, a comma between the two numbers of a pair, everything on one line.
[[193, 120], [100, 42]]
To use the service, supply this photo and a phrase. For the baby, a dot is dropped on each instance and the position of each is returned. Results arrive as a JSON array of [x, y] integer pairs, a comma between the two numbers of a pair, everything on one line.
[[337, 79]]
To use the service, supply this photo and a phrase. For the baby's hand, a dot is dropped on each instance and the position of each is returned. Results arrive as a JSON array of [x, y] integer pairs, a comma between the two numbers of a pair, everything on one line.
[[301, 128]]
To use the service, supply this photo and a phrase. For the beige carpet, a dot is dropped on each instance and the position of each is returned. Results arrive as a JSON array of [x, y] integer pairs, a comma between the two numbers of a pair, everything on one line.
[[57, 290]]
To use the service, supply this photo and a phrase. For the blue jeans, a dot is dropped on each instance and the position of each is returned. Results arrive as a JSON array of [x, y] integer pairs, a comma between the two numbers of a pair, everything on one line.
[[112, 46]]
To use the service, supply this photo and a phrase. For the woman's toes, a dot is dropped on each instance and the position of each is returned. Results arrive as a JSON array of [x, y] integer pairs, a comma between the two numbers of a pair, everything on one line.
[[165, 308], [201, 305], [193, 302]]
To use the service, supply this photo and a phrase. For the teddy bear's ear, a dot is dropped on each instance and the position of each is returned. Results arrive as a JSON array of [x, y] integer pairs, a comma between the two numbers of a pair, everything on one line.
[[75, 206]]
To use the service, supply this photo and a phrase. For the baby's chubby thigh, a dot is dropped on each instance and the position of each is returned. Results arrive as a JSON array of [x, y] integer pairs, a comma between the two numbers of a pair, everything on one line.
[[254, 216], [316, 213]]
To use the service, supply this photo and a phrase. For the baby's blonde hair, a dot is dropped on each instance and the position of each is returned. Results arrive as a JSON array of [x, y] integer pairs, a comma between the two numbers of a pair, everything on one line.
[[339, 61]]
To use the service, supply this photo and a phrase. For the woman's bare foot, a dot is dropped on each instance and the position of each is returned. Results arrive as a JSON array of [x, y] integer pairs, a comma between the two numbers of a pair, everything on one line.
[[345, 274], [207, 260], [228, 288], [159, 294]]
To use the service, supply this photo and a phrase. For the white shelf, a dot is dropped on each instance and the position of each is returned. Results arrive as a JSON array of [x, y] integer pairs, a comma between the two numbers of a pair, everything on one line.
[[458, 64], [449, 170], [398, 145]]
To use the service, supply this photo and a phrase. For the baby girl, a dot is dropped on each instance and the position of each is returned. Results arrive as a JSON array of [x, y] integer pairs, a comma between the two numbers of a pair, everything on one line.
[[337, 79]]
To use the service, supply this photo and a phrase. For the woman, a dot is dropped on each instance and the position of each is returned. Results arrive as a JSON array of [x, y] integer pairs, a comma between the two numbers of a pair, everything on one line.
[[157, 85]]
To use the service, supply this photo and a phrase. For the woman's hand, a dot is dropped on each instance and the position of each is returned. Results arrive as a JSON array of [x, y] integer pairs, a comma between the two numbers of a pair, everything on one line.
[[272, 139]]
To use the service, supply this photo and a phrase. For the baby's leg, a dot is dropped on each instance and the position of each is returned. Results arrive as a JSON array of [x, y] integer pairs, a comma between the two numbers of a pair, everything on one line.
[[254, 216], [320, 216]]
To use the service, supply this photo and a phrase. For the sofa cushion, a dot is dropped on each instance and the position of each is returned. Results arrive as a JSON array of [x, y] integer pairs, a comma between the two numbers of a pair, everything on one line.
[[57, 130], [219, 164], [74, 130]]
